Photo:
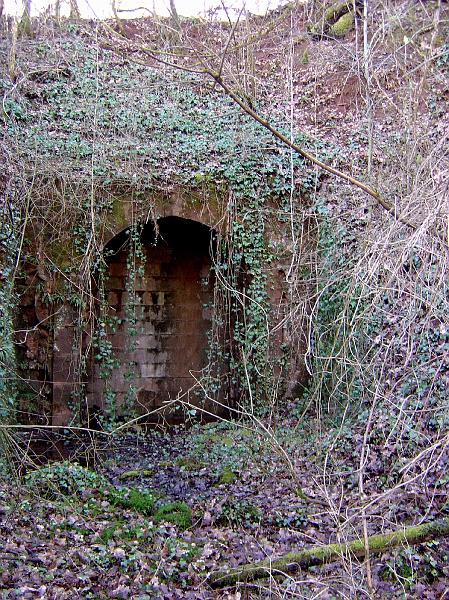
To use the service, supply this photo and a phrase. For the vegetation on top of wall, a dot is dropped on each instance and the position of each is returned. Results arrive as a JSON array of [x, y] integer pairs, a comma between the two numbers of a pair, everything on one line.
[[86, 124], [103, 117]]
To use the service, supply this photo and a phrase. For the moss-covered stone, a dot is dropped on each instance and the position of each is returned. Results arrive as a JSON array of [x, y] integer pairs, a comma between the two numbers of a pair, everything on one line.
[[343, 26], [336, 21], [334, 12], [129, 474], [117, 216], [135, 473]]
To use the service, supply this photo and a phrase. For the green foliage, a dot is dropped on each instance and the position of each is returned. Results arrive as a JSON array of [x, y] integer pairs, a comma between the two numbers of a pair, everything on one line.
[[293, 519], [178, 513], [443, 59], [181, 553], [409, 567], [120, 531], [107, 533], [237, 512], [13, 110], [8, 299], [228, 449], [154, 130], [420, 385], [64, 478], [340, 321]]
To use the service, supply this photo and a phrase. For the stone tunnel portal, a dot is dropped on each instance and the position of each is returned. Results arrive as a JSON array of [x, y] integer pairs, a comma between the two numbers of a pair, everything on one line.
[[162, 315]]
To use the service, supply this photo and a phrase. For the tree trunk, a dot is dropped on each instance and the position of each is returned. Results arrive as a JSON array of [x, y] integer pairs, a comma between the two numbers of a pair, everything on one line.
[[291, 562]]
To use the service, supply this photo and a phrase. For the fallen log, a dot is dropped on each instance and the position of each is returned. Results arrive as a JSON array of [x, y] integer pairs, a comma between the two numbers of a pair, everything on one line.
[[291, 562]]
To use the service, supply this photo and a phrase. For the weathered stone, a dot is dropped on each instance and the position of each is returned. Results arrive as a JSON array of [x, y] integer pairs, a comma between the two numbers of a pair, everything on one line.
[[158, 356]]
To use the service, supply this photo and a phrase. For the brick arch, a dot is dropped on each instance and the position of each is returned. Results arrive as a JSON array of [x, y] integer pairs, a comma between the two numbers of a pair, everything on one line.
[[205, 207], [158, 356]]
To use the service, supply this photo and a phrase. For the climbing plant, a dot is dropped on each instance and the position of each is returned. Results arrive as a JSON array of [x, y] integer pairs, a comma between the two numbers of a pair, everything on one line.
[[120, 142], [8, 253]]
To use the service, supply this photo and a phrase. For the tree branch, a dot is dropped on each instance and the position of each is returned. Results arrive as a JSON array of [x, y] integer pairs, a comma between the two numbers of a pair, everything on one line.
[[291, 562], [308, 155]]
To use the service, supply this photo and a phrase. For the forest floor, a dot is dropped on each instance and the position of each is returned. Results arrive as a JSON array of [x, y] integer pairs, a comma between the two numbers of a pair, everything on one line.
[[238, 501]]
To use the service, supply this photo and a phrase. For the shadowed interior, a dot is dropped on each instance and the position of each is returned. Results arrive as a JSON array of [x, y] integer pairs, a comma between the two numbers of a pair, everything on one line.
[[162, 318]]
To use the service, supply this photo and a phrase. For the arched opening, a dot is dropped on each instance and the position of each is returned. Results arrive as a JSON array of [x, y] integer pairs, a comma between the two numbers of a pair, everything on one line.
[[158, 288]]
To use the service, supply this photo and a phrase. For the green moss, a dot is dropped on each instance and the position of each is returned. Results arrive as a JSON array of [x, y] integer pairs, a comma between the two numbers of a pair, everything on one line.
[[135, 473], [140, 501], [300, 493], [247, 433], [206, 193], [129, 474], [62, 253], [334, 11], [342, 26], [336, 21], [189, 463], [226, 476], [290, 562], [178, 513], [117, 215]]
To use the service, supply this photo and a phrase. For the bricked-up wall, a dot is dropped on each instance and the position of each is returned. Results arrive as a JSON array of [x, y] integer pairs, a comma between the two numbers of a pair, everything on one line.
[[171, 303], [174, 309]]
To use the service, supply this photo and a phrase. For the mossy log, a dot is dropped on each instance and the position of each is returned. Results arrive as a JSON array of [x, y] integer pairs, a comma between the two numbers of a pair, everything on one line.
[[291, 562]]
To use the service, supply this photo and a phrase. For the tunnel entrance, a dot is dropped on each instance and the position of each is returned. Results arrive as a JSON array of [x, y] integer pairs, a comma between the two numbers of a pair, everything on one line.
[[158, 317]]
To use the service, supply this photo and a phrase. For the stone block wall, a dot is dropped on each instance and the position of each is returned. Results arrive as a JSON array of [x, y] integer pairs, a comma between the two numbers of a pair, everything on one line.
[[163, 319]]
